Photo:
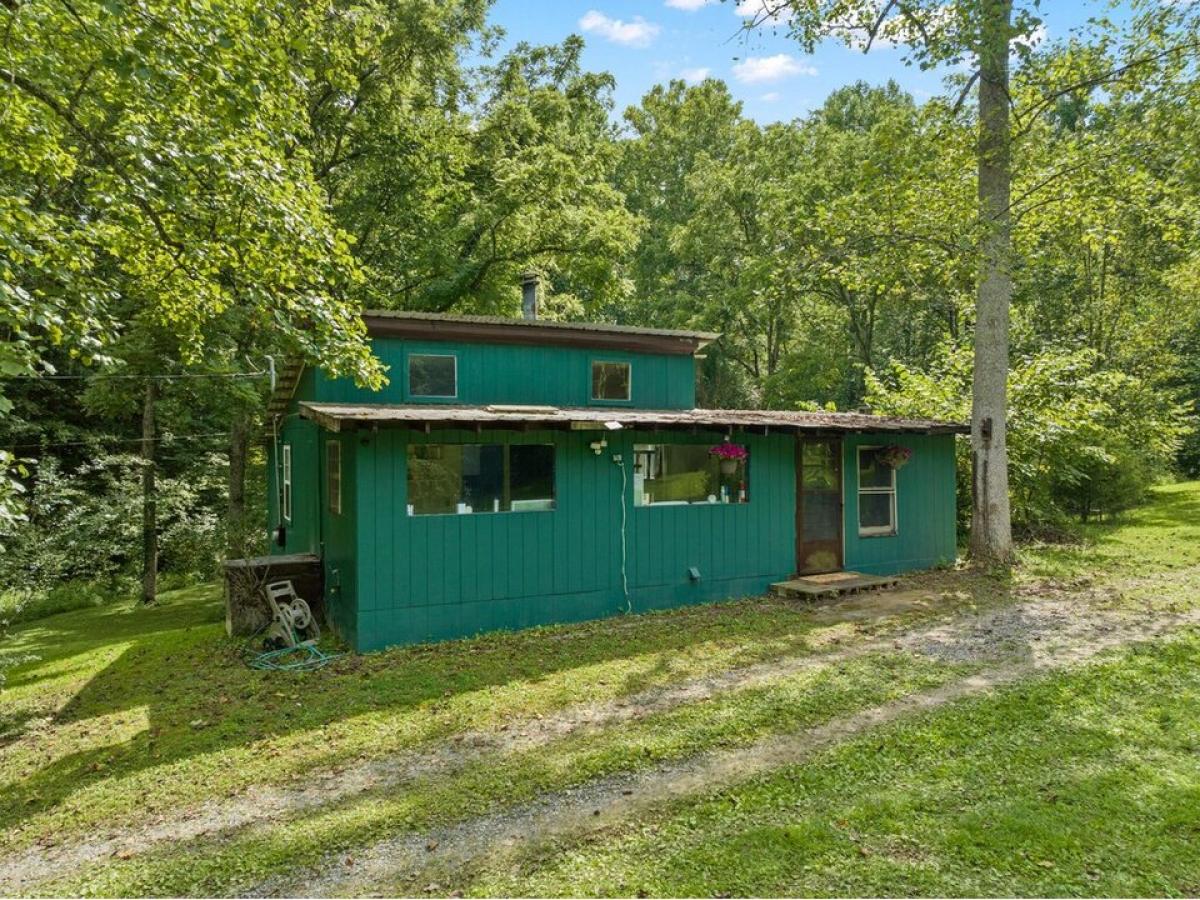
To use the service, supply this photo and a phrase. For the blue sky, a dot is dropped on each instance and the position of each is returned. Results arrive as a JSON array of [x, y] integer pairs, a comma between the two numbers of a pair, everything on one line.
[[643, 43]]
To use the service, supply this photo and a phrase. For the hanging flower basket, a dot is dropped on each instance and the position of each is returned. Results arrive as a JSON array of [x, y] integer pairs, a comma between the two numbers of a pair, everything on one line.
[[894, 456], [730, 456]]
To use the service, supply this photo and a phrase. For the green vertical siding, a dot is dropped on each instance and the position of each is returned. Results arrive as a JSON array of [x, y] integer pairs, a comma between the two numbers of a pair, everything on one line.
[[503, 373], [925, 513], [303, 532], [339, 534], [396, 579], [432, 577]]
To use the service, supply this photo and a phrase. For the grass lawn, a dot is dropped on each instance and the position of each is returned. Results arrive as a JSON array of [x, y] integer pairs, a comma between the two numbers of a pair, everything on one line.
[[1085, 783], [132, 716]]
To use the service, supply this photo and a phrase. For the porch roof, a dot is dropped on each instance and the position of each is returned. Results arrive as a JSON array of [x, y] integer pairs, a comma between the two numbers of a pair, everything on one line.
[[348, 416]]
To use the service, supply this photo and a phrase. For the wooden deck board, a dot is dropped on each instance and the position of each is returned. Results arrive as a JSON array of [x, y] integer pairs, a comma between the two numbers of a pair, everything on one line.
[[832, 584]]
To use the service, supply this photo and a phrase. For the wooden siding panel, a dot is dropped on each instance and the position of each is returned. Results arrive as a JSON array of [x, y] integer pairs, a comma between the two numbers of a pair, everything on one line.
[[431, 577], [925, 507], [558, 376]]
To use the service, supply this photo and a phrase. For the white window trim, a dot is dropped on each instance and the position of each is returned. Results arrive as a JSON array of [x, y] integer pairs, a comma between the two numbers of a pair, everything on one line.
[[408, 375], [285, 501], [875, 530], [334, 509], [628, 381]]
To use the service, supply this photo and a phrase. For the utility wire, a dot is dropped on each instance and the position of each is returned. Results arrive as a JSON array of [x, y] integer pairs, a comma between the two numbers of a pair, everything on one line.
[[116, 440], [118, 375]]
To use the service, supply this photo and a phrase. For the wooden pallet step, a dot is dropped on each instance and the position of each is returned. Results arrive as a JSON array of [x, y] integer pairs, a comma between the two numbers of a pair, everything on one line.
[[833, 584]]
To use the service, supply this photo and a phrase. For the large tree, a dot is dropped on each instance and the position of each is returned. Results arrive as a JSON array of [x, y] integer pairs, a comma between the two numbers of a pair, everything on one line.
[[980, 33], [152, 177], [454, 180]]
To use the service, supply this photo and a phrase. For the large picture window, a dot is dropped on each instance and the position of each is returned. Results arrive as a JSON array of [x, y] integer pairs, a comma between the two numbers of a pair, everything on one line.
[[432, 375], [610, 380], [677, 474], [479, 478], [876, 494]]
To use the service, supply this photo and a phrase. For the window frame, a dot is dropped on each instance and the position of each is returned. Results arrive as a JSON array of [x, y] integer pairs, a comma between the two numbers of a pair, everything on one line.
[[652, 447], [408, 375], [507, 445], [592, 380], [890, 530], [285, 482], [333, 453]]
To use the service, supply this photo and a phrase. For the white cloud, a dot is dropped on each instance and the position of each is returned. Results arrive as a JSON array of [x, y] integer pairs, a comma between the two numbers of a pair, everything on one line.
[[638, 33], [762, 69], [762, 11], [1034, 39], [696, 75], [769, 97], [688, 5]]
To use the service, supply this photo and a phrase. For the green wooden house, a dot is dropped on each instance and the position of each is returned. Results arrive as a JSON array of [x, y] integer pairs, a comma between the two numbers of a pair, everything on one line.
[[516, 472]]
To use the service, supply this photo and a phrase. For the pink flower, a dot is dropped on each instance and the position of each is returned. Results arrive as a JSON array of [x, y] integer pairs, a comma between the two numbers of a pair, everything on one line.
[[727, 450]]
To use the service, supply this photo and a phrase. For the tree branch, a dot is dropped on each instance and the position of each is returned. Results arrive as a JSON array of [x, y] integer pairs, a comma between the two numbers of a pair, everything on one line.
[[68, 116], [1097, 80]]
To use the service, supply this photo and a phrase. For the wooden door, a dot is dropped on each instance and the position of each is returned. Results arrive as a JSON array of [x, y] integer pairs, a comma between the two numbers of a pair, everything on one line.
[[818, 505]]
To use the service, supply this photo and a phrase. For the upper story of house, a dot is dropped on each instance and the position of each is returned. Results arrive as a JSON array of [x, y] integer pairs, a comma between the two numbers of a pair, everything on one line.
[[485, 360]]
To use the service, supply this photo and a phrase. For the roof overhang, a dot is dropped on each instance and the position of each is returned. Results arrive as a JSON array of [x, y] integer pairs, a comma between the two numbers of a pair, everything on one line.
[[498, 330], [426, 417]]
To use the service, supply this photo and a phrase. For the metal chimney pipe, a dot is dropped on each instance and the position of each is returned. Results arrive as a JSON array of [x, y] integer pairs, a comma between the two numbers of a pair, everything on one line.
[[529, 295]]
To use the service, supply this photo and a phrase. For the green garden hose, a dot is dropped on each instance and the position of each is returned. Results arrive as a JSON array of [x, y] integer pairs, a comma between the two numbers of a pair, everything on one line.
[[302, 658]]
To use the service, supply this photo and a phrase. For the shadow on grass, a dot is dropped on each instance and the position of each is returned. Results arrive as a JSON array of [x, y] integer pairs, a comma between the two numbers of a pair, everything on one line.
[[175, 664], [1165, 532], [200, 698]]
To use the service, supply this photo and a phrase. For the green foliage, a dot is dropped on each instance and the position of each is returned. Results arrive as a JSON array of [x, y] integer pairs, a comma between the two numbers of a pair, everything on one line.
[[82, 537], [455, 182], [185, 190], [146, 712], [124, 182], [1084, 440]]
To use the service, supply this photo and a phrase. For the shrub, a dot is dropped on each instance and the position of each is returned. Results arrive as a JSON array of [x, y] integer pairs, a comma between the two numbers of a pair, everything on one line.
[[80, 541], [1083, 440]]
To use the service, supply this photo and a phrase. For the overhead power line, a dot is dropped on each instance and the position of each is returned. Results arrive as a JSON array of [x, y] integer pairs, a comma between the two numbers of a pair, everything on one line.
[[166, 438], [145, 377]]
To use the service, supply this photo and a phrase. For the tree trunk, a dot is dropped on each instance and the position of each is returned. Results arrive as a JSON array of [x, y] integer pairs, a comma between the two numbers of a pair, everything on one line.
[[235, 518], [991, 525], [149, 499]]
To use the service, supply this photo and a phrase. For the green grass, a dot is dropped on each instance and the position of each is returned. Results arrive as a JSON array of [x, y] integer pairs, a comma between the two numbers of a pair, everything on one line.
[[134, 712], [1084, 783], [130, 713], [1162, 536], [732, 720]]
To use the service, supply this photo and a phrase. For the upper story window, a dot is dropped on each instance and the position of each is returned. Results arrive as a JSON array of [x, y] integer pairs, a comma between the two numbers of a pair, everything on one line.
[[285, 484], [432, 375], [876, 494], [610, 380], [333, 472]]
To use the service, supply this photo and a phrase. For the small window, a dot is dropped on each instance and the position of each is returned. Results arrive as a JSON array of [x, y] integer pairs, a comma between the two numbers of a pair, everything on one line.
[[333, 474], [610, 381], [876, 493], [285, 484], [677, 474], [479, 478], [432, 375]]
